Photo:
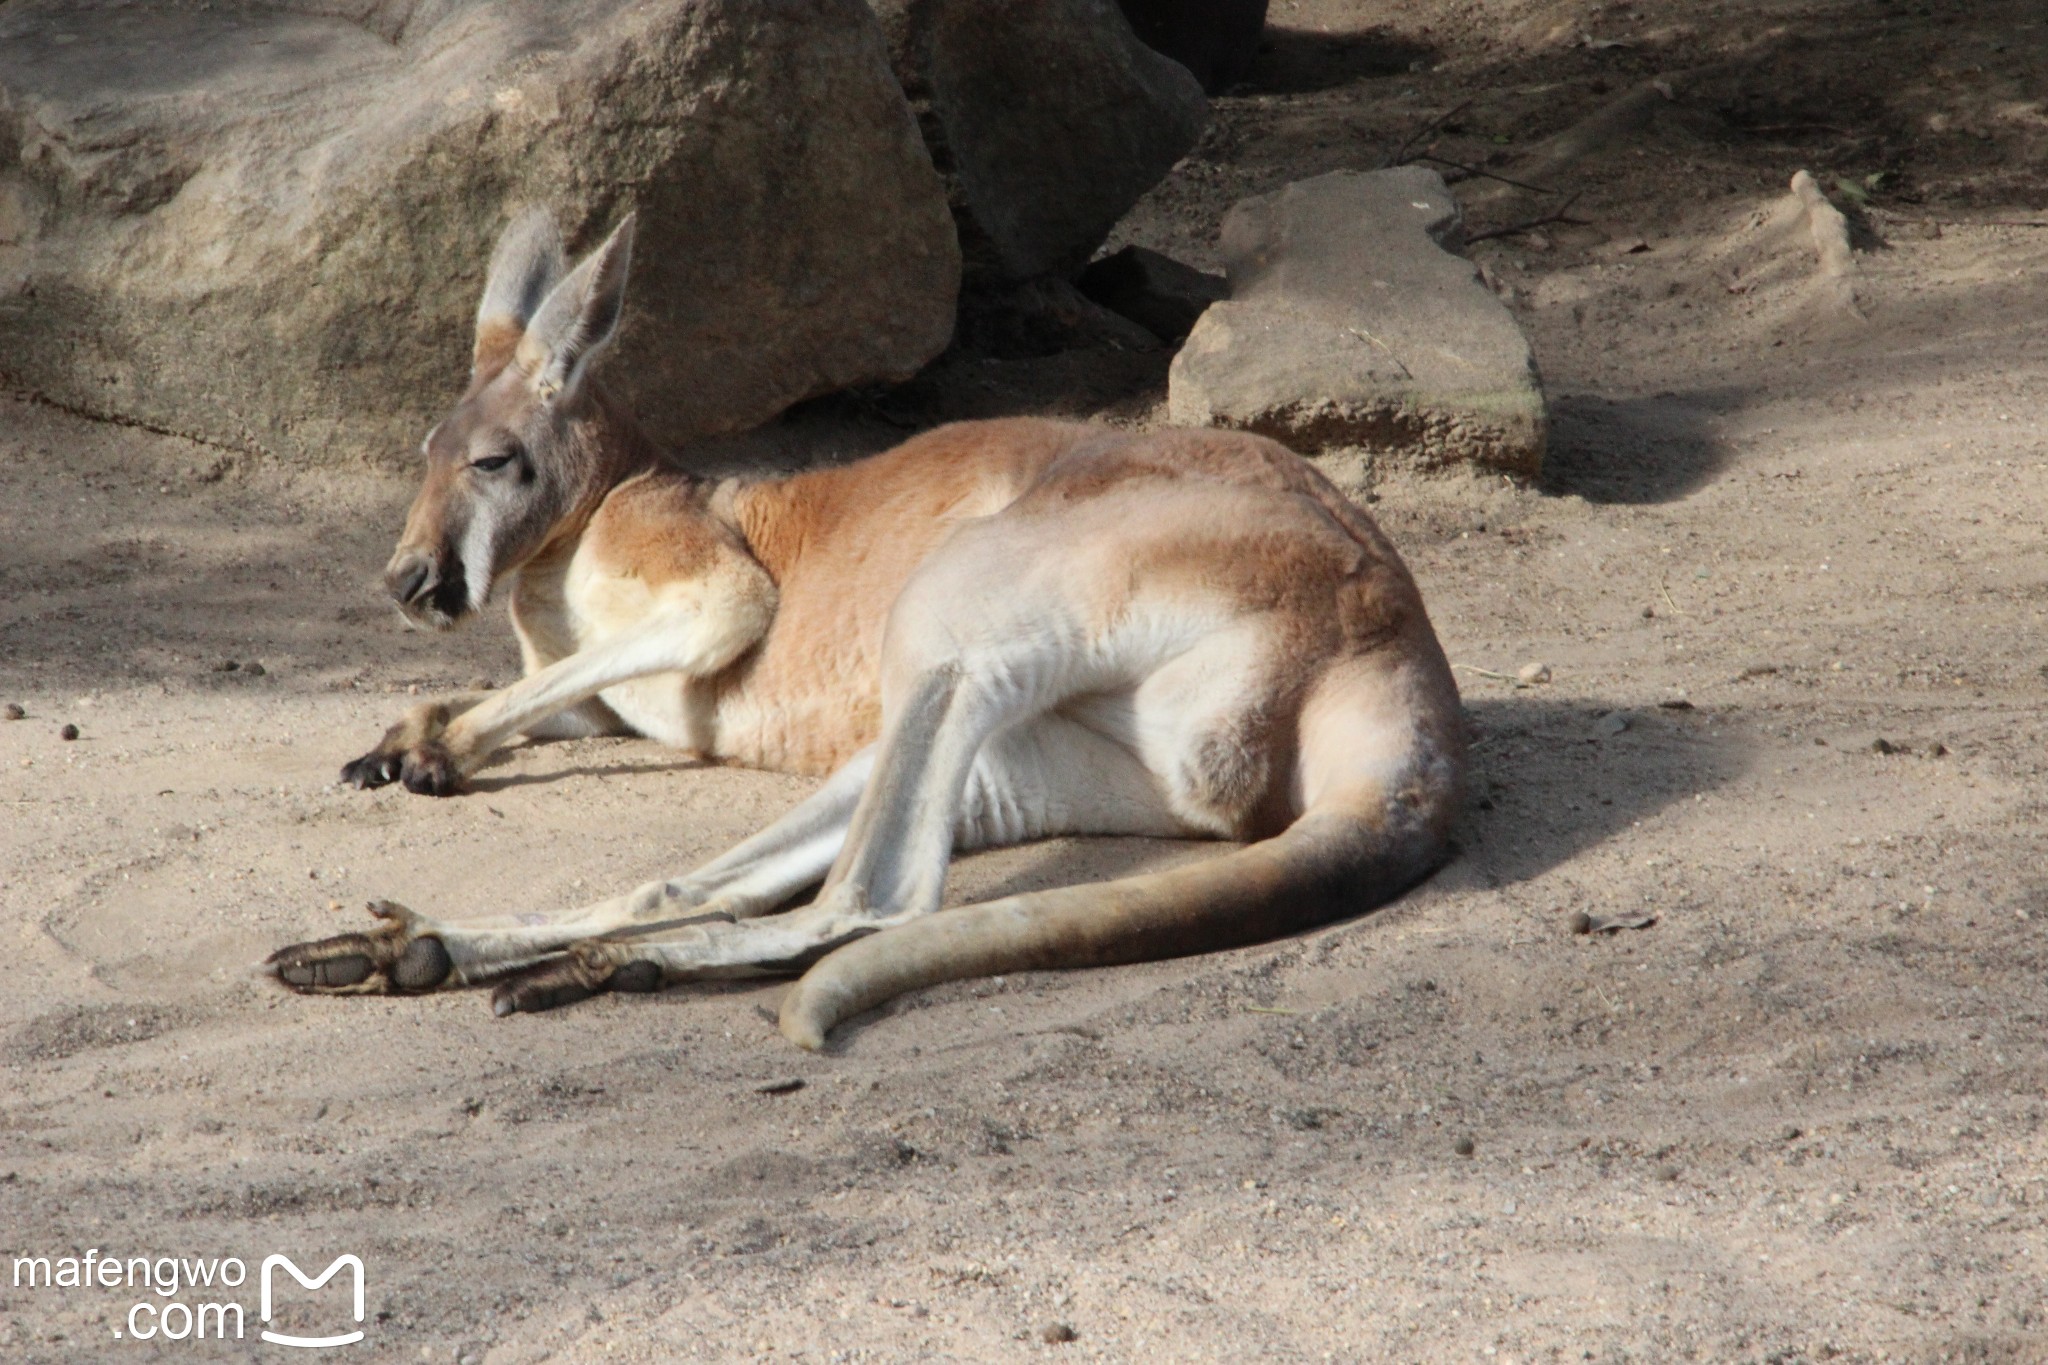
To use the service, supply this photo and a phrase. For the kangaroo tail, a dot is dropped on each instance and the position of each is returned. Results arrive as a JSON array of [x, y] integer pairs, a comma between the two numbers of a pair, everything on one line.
[[1341, 857]]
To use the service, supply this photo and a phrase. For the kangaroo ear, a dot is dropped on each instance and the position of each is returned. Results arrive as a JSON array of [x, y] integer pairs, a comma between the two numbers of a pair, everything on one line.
[[579, 317], [524, 267]]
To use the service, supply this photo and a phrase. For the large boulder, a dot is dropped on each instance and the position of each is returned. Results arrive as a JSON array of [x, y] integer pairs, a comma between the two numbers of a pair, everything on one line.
[[1217, 40], [1352, 321], [1050, 115], [266, 224]]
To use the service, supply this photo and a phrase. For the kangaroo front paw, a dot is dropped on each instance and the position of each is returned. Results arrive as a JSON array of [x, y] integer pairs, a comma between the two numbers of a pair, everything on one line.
[[586, 970], [389, 958], [377, 768], [430, 769]]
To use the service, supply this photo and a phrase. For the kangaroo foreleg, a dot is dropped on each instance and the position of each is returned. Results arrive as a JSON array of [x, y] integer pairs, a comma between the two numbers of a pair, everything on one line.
[[421, 725], [436, 747]]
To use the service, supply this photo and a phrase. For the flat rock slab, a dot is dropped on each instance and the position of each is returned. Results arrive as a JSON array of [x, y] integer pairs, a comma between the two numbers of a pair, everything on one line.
[[1352, 321], [265, 225]]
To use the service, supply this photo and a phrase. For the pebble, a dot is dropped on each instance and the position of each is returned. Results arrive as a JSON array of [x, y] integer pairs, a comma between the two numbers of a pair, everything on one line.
[[226, 666], [1667, 1174], [1464, 1146], [1057, 1332], [1881, 745], [1529, 675], [1613, 723], [254, 669], [68, 732], [1581, 922], [1792, 1132], [16, 711]]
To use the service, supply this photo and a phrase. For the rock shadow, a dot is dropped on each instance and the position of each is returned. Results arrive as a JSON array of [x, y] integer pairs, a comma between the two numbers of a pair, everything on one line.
[[1298, 61], [1635, 450]]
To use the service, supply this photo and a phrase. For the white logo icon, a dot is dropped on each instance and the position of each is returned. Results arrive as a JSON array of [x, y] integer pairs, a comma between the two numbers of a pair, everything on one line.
[[270, 1263]]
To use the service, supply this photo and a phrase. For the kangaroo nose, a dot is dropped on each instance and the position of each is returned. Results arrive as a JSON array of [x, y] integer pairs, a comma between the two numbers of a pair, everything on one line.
[[409, 577]]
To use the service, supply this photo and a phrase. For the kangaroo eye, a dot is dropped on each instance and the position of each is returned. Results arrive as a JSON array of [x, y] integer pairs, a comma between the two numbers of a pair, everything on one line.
[[497, 461]]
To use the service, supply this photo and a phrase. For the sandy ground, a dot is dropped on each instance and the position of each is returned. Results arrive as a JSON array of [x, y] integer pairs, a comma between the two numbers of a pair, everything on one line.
[[1798, 1118]]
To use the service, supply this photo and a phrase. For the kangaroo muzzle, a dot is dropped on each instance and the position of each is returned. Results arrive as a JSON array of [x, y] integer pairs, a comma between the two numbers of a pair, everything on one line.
[[428, 588]]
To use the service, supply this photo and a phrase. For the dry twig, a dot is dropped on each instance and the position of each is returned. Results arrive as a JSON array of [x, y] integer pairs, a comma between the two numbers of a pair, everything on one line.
[[1483, 174], [1404, 153], [1562, 214]]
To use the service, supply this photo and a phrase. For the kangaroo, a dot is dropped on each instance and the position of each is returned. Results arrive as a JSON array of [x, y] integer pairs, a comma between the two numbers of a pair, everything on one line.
[[998, 631]]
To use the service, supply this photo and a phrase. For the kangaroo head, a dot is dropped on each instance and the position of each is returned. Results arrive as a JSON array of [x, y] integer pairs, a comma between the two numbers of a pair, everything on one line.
[[525, 451]]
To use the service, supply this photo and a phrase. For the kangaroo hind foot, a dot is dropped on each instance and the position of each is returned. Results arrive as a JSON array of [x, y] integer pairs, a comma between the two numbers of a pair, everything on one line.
[[391, 958]]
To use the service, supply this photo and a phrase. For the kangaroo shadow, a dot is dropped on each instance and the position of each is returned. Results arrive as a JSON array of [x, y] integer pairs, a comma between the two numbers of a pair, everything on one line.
[[1552, 779], [482, 786]]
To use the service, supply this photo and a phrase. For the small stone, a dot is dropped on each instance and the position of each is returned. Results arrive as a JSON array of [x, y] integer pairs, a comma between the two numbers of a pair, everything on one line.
[[1532, 674], [1613, 723], [1057, 1333], [254, 669], [1937, 750], [1676, 704], [68, 732], [1881, 745], [1667, 1174], [481, 684], [1791, 1132], [226, 666], [16, 711], [1464, 1146], [1649, 613], [1929, 231], [1581, 922]]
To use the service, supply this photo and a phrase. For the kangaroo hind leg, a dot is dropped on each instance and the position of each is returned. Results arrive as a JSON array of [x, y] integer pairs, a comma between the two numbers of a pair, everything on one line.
[[409, 952]]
